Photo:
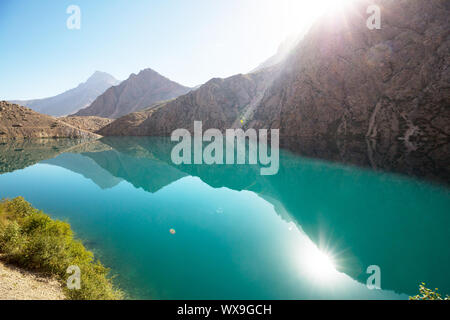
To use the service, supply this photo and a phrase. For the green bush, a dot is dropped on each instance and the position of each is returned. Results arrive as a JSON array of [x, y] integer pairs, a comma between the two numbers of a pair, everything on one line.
[[428, 294], [19, 207], [31, 239], [11, 240]]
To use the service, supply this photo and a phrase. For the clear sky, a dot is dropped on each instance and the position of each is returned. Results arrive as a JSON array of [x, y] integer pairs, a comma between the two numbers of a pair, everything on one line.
[[188, 41]]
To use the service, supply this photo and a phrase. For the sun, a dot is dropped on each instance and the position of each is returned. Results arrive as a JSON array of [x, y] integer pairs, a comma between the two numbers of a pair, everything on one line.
[[300, 14], [333, 4], [320, 6]]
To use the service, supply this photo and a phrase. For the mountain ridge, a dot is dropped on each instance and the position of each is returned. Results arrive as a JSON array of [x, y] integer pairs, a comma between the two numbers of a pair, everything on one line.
[[18, 122], [74, 99], [220, 103], [139, 91], [342, 79]]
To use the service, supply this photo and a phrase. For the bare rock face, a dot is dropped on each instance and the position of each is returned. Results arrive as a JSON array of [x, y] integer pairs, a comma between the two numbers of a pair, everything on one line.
[[136, 93], [219, 103], [342, 80], [129, 125], [91, 124], [346, 80], [17, 122]]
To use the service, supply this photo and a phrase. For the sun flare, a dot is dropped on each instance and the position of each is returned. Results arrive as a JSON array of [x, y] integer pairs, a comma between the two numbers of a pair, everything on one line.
[[319, 264], [300, 14]]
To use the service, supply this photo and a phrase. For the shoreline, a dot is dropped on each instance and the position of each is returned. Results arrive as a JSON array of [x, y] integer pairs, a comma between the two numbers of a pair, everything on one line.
[[20, 284], [34, 246]]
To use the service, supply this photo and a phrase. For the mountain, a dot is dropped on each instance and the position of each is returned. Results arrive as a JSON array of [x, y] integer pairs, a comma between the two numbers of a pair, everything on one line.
[[342, 79], [346, 80], [17, 122], [136, 93], [72, 100], [220, 103], [90, 124]]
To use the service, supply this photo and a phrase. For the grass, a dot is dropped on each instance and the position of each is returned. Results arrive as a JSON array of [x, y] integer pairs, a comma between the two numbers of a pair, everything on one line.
[[32, 240]]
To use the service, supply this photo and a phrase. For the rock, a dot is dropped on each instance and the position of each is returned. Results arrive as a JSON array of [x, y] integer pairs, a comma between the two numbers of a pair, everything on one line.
[[36, 126], [91, 124], [346, 80], [136, 93], [342, 80], [220, 103]]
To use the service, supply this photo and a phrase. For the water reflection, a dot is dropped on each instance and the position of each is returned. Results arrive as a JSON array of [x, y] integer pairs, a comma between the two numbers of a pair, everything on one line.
[[332, 223], [422, 159], [19, 154]]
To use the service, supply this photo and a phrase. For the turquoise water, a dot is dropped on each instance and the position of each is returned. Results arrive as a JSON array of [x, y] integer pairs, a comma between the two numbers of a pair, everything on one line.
[[309, 232]]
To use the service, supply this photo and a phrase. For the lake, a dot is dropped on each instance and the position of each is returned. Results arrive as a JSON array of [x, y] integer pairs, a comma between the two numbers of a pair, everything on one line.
[[226, 232]]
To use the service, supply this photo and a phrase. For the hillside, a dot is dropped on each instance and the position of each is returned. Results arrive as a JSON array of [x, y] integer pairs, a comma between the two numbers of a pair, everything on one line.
[[17, 122], [136, 93], [341, 80], [346, 80], [91, 124], [72, 100], [220, 103]]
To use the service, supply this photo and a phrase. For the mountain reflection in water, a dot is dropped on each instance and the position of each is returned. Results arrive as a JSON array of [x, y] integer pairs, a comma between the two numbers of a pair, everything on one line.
[[334, 214]]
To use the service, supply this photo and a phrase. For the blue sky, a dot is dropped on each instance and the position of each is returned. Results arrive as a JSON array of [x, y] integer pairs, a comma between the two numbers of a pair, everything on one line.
[[189, 41]]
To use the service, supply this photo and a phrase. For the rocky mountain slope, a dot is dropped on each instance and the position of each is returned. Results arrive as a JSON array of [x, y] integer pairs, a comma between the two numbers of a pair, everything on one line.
[[75, 99], [220, 103], [136, 93], [346, 80], [17, 122], [341, 80], [91, 124]]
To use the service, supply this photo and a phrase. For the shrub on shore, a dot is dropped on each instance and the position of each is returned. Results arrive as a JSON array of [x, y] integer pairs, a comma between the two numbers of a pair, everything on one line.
[[31, 239], [428, 294]]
